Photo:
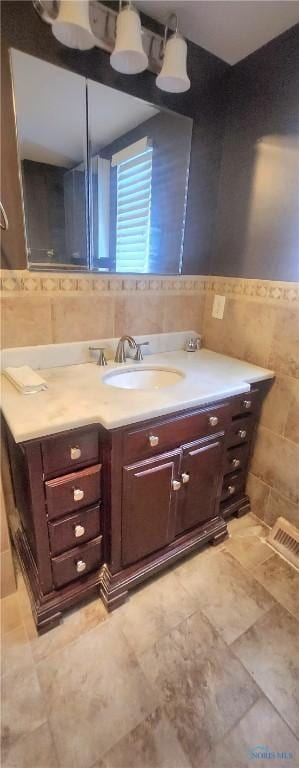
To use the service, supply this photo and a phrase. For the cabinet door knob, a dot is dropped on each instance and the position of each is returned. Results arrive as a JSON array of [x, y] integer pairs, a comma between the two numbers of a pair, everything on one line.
[[176, 485], [153, 440], [242, 433], [75, 453], [247, 404], [79, 531], [235, 463], [185, 477], [78, 494], [80, 566], [231, 489], [213, 420]]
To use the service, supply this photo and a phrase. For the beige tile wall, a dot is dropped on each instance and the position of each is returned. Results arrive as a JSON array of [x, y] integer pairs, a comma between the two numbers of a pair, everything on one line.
[[261, 325], [42, 310]]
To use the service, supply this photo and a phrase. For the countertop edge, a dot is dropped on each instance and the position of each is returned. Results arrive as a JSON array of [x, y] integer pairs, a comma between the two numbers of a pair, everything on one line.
[[96, 419]]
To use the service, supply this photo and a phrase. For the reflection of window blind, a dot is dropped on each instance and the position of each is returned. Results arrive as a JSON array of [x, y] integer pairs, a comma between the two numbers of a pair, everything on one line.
[[134, 183]]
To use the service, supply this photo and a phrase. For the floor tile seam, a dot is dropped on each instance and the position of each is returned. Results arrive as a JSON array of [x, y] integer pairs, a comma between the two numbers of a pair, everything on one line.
[[180, 623], [32, 733], [251, 565], [246, 573], [251, 574], [262, 692], [142, 719], [277, 602], [69, 643], [218, 740], [18, 737], [4, 674]]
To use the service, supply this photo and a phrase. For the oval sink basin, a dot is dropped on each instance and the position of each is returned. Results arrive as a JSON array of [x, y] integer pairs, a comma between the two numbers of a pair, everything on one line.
[[143, 378]]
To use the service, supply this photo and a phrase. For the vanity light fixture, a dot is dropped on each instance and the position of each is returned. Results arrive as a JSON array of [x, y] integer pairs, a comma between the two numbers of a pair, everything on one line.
[[69, 20], [83, 24], [72, 26], [173, 77], [128, 55]]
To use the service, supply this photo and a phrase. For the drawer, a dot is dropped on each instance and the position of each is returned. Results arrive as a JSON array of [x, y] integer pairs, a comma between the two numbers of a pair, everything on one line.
[[159, 436], [77, 562], [74, 529], [247, 403], [236, 458], [74, 491], [232, 485], [64, 452], [240, 431]]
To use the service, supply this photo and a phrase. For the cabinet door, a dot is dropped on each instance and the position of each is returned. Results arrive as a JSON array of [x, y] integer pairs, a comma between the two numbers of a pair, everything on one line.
[[149, 505], [201, 469]]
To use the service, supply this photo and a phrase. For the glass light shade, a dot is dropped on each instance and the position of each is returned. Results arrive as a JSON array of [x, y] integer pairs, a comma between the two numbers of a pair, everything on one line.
[[72, 26], [173, 76], [128, 55]]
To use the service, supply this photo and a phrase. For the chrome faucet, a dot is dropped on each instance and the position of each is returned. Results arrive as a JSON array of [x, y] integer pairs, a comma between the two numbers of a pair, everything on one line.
[[120, 355]]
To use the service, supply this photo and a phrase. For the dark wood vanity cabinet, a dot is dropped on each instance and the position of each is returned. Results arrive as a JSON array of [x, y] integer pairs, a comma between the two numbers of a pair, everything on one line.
[[201, 475], [165, 496], [149, 501], [100, 511]]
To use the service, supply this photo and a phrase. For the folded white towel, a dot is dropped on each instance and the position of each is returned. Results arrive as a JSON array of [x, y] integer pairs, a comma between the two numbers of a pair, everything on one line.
[[25, 379]]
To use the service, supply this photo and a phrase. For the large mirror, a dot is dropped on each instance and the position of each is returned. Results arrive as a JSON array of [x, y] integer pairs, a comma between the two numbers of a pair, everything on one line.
[[50, 106], [104, 174]]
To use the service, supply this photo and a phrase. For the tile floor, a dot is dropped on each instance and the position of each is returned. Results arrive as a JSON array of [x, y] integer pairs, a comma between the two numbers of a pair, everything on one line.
[[196, 670]]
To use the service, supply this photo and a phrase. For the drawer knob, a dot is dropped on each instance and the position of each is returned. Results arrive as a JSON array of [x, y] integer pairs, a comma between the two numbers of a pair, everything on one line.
[[231, 489], [242, 433], [235, 463], [75, 453], [185, 477], [78, 494], [247, 404], [213, 420], [153, 440], [176, 485], [80, 566], [79, 531]]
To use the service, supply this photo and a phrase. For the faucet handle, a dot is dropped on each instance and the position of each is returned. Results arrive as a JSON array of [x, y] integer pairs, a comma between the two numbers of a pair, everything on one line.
[[101, 359], [139, 355]]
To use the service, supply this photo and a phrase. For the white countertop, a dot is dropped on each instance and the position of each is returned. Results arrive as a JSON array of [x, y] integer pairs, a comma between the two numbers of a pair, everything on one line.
[[77, 395]]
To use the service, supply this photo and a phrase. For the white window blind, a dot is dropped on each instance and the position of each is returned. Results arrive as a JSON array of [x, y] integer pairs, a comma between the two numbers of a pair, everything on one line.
[[133, 219]]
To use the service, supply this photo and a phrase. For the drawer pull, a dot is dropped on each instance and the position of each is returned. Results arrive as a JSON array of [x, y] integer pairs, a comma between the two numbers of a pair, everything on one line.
[[213, 420], [231, 489], [185, 477], [242, 433], [176, 485], [235, 463], [78, 494], [79, 531], [247, 404], [153, 440], [80, 566], [75, 453]]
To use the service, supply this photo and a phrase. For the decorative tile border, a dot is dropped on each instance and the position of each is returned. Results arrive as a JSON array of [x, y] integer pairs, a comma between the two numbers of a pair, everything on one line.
[[266, 291], [24, 281], [270, 291]]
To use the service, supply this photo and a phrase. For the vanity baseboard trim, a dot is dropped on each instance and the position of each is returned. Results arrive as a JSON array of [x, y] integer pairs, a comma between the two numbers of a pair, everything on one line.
[[114, 587], [47, 609]]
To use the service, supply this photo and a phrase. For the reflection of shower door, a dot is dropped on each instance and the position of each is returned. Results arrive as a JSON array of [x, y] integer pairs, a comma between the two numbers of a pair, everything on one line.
[[44, 194], [100, 225], [75, 216]]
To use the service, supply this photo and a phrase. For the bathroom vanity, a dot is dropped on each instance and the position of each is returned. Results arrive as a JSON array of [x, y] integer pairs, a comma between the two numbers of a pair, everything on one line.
[[103, 508]]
